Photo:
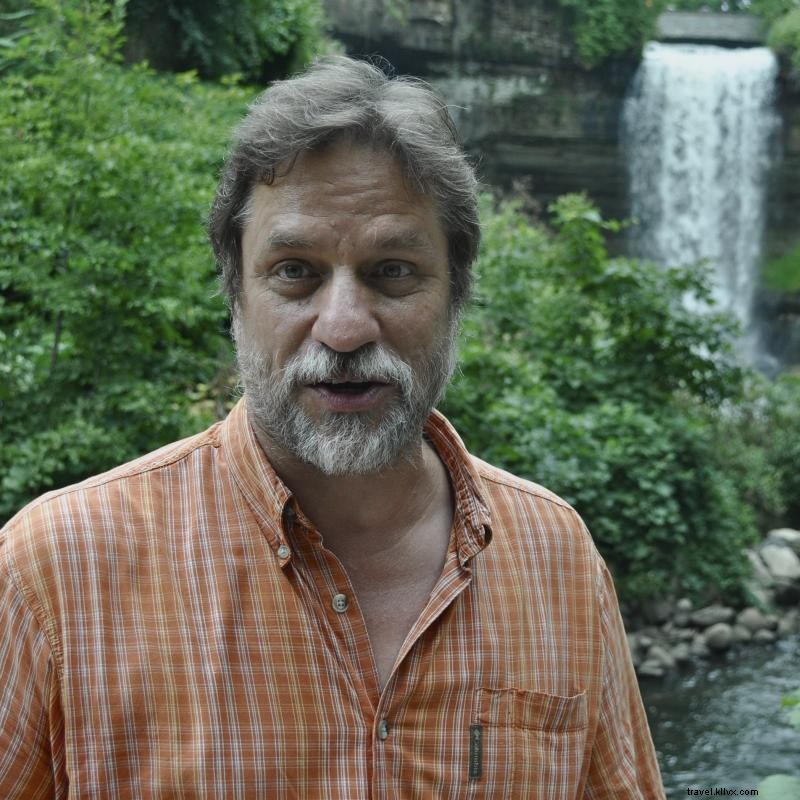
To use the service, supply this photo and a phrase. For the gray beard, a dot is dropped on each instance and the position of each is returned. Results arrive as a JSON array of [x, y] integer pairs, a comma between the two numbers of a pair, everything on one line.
[[344, 443]]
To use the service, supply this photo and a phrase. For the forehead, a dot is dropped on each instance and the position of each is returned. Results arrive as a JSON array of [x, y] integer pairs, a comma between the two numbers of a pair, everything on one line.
[[347, 189]]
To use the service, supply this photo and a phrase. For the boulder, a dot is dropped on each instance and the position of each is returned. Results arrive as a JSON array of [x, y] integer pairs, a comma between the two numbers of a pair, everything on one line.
[[789, 623], [787, 536], [782, 562], [761, 574], [658, 611], [712, 615], [651, 669], [753, 620], [741, 633], [719, 636], [684, 605], [681, 653], [660, 655], [699, 647], [764, 637]]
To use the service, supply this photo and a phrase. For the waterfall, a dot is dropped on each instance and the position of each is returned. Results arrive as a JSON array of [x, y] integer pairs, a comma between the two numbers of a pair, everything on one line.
[[699, 126]]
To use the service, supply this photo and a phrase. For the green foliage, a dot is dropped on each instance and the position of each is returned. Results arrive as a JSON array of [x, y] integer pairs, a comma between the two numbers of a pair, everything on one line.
[[107, 315], [588, 374], [256, 39], [608, 28], [772, 10], [783, 273], [759, 442], [784, 36]]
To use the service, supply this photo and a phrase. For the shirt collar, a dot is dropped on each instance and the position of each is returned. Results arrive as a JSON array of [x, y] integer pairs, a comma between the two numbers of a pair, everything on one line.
[[270, 499]]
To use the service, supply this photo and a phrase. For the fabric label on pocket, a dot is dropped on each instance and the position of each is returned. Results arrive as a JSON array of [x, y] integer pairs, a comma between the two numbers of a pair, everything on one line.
[[475, 751]]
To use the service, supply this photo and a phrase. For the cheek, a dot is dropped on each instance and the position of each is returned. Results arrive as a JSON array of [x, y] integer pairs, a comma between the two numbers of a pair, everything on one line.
[[280, 328]]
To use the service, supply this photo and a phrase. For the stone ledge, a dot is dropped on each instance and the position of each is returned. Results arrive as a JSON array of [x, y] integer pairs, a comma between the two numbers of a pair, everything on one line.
[[694, 26]]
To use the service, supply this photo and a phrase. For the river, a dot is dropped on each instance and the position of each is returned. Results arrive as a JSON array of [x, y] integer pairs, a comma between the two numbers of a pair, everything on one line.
[[721, 724]]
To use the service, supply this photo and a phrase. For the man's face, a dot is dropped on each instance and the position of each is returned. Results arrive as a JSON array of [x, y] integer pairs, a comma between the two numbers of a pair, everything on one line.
[[345, 338]]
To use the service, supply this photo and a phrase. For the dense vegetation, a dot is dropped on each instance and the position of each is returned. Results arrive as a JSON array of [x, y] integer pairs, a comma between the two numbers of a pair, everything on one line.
[[108, 321], [257, 39], [580, 371]]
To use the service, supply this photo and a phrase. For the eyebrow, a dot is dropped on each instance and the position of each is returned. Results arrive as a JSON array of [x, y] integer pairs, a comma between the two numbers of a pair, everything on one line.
[[285, 240], [289, 240], [402, 240]]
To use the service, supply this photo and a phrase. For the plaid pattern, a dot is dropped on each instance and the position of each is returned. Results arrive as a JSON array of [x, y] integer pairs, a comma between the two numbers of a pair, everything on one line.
[[167, 631]]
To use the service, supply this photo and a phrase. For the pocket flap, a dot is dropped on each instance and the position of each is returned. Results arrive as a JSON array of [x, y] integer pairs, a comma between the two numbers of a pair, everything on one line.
[[531, 710]]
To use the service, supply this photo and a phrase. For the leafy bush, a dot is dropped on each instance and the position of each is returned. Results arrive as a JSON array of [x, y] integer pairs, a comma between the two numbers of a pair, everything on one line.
[[784, 36], [258, 39], [108, 320], [588, 374], [608, 28], [758, 445]]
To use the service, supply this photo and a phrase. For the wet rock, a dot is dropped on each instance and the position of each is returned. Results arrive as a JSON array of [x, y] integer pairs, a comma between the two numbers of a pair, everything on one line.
[[699, 647], [786, 536], [681, 653], [719, 636], [753, 619], [645, 641], [781, 561], [658, 611], [764, 637], [652, 669], [712, 615], [741, 633], [660, 655], [789, 623], [761, 574], [684, 605]]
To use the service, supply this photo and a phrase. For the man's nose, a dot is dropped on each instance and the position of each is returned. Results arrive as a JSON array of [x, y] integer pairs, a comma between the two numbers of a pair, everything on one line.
[[345, 317]]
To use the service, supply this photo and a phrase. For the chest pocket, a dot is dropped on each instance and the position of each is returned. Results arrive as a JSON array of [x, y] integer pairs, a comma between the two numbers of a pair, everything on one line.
[[531, 744]]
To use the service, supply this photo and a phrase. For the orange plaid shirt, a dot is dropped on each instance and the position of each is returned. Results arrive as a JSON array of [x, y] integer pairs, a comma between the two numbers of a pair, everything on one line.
[[169, 630]]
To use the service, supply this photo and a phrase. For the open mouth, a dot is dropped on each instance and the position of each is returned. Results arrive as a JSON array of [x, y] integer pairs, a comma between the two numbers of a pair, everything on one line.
[[349, 387]]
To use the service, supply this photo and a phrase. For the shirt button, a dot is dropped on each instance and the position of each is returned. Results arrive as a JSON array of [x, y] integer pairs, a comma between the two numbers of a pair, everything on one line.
[[383, 729], [283, 551], [340, 603]]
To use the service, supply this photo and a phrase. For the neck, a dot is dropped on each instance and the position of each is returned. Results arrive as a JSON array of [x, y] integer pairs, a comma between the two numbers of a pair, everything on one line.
[[355, 512]]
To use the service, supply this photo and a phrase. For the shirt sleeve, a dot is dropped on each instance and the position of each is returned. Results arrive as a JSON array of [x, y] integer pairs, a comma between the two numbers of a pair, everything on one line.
[[28, 768], [623, 762]]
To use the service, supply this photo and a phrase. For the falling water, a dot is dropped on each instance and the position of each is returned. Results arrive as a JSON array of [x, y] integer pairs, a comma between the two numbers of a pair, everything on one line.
[[700, 128]]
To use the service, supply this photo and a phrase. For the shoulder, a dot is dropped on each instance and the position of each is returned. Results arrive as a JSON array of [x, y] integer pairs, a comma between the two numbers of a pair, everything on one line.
[[498, 480], [528, 518], [99, 502]]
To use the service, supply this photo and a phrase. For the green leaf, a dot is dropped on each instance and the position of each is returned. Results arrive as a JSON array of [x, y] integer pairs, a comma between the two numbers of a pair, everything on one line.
[[779, 787]]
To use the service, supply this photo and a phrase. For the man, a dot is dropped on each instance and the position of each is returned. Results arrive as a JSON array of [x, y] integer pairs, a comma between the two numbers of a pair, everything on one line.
[[325, 595]]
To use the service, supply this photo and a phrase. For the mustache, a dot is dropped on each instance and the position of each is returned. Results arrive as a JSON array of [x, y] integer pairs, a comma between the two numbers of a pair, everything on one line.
[[371, 363]]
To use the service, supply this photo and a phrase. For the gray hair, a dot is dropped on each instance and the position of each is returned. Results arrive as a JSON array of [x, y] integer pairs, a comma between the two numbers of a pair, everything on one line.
[[340, 97]]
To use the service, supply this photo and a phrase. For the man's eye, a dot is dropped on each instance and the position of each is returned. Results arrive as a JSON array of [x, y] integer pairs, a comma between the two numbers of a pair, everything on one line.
[[294, 271], [394, 270]]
